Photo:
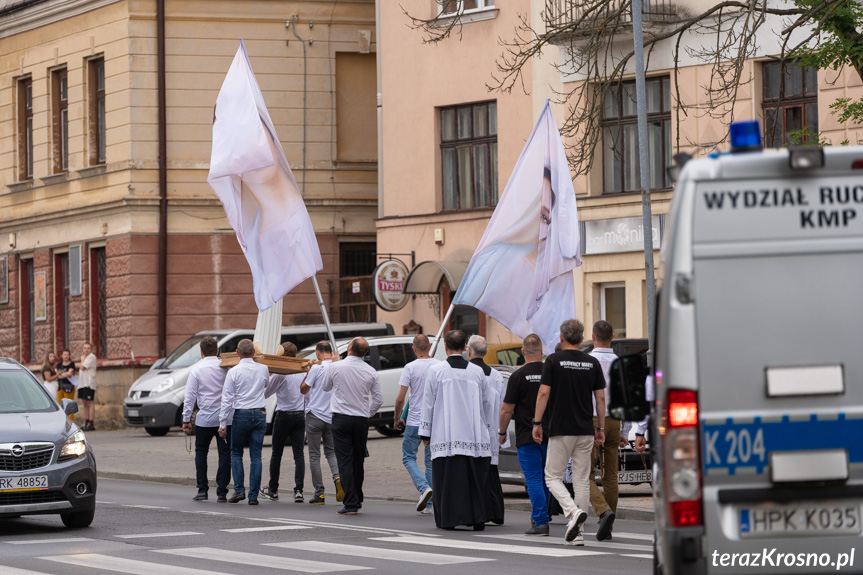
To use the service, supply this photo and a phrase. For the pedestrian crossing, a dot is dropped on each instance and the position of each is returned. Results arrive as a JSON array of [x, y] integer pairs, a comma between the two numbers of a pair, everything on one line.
[[376, 551]]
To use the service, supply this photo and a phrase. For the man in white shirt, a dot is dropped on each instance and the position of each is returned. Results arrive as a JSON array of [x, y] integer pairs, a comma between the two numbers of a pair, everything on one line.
[[356, 397], [604, 502], [243, 398], [476, 350], [204, 388], [457, 405], [87, 386], [319, 420], [289, 422], [413, 378]]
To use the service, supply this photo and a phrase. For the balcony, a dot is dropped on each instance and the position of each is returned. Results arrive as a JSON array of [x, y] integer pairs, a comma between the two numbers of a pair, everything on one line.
[[587, 14]]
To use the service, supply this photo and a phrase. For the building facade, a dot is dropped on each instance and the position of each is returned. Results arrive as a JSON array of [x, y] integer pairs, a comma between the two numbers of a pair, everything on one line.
[[81, 188], [436, 199]]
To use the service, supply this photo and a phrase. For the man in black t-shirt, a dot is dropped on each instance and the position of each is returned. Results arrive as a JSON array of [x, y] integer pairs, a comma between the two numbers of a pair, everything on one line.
[[570, 381], [519, 403]]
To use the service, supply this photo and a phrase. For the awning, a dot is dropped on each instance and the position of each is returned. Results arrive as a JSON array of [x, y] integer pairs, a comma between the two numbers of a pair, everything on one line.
[[426, 277]]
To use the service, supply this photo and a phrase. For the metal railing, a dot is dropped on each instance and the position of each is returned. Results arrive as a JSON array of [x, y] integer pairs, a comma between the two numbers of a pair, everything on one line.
[[560, 13]]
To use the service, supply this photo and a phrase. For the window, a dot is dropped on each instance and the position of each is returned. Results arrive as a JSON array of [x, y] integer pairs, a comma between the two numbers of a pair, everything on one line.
[[448, 7], [790, 102], [25, 129], [61, 286], [620, 137], [469, 156], [98, 301], [60, 120], [357, 261], [393, 356], [28, 312], [612, 307], [96, 85]]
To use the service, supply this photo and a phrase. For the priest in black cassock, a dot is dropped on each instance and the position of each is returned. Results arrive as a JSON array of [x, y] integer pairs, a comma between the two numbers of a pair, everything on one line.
[[477, 347], [457, 406]]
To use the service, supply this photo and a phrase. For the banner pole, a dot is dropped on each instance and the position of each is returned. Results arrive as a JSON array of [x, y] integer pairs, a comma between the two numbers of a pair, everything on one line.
[[324, 313], [442, 326]]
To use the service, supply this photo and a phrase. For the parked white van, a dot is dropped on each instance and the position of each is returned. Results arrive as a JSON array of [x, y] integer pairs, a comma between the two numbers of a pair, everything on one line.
[[758, 457], [155, 400]]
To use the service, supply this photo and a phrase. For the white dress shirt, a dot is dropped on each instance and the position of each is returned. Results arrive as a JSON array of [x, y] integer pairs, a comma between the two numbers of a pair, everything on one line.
[[606, 357], [204, 387], [245, 386], [87, 373], [287, 390], [414, 377], [318, 400], [353, 382]]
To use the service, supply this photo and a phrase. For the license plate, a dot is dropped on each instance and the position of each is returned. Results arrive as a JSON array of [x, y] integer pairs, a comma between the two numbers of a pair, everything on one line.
[[808, 519], [132, 412], [30, 483], [634, 476]]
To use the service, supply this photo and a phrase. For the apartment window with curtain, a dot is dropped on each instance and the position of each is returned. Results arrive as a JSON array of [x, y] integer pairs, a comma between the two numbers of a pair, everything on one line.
[[97, 127], [60, 119], [789, 102], [448, 7], [469, 156], [620, 163], [25, 129]]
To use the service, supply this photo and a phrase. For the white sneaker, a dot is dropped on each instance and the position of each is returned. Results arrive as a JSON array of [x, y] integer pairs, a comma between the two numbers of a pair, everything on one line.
[[573, 527], [578, 541], [424, 499], [426, 511]]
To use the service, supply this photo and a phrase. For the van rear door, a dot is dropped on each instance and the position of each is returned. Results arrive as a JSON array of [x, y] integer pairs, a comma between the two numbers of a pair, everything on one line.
[[778, 286]]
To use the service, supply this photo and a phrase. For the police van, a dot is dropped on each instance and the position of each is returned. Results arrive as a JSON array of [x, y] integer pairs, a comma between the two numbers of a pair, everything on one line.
[[758, 448]]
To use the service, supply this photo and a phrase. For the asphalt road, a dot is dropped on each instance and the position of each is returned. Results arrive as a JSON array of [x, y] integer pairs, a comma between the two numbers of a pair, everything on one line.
[[150, 528]]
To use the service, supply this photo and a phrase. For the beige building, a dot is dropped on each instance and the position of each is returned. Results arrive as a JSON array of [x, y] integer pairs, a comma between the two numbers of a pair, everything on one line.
[[91, 99], [425, 85]]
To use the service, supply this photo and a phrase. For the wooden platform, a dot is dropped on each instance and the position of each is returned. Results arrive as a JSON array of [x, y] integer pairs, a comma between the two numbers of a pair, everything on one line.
[[276, 363]]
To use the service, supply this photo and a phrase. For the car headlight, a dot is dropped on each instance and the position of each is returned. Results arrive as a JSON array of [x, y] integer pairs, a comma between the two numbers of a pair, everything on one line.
[[75, 446], [163, 386]]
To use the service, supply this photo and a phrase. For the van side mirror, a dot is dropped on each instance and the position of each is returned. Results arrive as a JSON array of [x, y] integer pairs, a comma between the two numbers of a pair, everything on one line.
[[70, 407], [628, 401]]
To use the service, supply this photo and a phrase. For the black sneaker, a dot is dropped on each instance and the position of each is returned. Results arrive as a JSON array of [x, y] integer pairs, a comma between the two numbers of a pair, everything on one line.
[[538, 530], [253, 501], [606, 520], [222, 499], [237, 497], [274, 495], [298, 496], [201, 496], [347, 511], [317, 500]]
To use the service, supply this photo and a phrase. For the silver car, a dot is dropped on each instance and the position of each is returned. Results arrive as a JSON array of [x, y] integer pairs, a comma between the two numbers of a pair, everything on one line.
[[46, 464]]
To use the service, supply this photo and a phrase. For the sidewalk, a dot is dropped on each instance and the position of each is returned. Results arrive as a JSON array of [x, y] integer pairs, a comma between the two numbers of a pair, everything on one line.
[[132, 454]]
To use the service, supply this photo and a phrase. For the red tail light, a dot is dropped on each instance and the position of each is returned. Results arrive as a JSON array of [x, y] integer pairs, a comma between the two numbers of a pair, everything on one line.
[[682, 408], [686, 513], [681, 451]]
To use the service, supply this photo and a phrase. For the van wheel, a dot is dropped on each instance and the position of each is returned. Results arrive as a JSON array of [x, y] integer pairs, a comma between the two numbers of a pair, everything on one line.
[[79, 518], [388, 430], [157, 431]]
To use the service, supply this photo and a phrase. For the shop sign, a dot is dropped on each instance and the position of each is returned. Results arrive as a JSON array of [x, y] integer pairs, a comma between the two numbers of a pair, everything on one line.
[[389, 284], [618, 235]]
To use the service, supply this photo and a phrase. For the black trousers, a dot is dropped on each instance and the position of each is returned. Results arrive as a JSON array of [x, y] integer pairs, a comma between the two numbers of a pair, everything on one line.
[[350, 433], [288, 425], [203, 437]]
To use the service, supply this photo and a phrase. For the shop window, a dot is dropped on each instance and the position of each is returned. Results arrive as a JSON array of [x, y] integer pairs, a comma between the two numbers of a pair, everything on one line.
[[469, 156], [620, 161], [612, 306], [61, 299], [98, 301], [28, 312], [790, 103]]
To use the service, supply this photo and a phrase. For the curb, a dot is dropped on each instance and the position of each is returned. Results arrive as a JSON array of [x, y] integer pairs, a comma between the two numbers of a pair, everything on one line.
[[622, 512]]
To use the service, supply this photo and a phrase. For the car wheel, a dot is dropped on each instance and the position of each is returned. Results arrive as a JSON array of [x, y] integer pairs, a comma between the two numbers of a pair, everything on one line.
[[157, 431], [388, 430], [79, 518]]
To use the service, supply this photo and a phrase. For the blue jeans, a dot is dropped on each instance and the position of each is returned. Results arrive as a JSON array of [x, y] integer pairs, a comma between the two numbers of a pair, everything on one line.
[[531, 458], [248, 426], [410, 446]]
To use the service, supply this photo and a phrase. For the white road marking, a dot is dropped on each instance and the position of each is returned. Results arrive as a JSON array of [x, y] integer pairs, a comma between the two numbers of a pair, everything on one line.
[[128, 566], [146, 507], [49, 541], [258, 560], [145, 535], [377, 553], [639, 536], [273, 528], [594, 545], [637, 556], [492, 547], [351, 527], [15, 571]]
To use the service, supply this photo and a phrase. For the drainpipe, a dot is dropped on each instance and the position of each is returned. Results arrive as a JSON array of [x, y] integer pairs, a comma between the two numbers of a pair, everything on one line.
[[163, 182]]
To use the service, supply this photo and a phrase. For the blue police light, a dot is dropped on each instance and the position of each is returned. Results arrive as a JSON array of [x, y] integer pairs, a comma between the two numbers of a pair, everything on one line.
[[745, 137]]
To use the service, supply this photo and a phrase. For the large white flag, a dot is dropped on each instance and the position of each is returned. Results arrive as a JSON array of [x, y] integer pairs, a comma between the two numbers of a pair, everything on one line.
[[521, 271], [252, 178]]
